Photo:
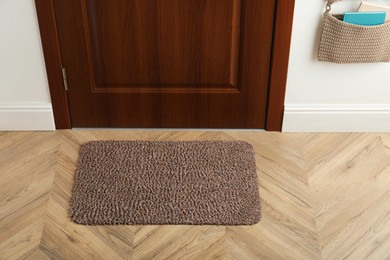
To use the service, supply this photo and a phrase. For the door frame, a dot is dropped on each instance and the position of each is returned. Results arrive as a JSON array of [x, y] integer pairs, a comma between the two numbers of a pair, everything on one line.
[[283, 21]]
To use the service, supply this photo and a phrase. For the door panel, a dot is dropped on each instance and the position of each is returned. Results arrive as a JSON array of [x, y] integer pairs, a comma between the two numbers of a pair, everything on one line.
[[166, 42], [166, 63]]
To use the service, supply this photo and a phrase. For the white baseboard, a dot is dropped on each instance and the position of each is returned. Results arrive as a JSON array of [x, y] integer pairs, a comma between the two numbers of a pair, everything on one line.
[[26, 117], [336, 118]]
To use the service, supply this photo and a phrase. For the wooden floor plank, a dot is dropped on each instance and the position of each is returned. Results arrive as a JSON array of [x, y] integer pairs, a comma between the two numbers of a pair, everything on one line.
[[324, 196], [26, 177], [178, 242]]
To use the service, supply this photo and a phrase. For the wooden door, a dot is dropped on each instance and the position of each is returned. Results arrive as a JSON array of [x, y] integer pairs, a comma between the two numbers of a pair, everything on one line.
[[166, 63]]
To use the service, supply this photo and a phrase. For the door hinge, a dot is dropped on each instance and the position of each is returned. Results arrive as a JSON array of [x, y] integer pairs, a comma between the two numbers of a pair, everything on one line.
[[64, 78]]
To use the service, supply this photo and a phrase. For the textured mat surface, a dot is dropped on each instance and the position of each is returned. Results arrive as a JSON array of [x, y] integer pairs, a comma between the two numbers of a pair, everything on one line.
[[181, 182]]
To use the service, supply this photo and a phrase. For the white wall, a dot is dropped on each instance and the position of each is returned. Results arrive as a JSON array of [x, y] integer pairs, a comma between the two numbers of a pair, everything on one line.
[[24, 93], [332, 97]]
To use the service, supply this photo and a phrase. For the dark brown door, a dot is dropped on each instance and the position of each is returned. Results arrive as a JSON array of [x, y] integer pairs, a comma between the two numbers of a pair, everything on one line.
[[166, 63]]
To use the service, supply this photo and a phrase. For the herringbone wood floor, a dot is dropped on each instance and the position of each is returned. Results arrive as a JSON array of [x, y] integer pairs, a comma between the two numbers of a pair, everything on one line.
[[325, 196]]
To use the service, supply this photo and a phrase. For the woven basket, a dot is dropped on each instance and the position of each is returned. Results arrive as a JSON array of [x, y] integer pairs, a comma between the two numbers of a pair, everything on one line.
[[348, 43]]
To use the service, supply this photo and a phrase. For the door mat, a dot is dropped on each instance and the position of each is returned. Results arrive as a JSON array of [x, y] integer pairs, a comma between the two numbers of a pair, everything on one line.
[[179, 182]]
